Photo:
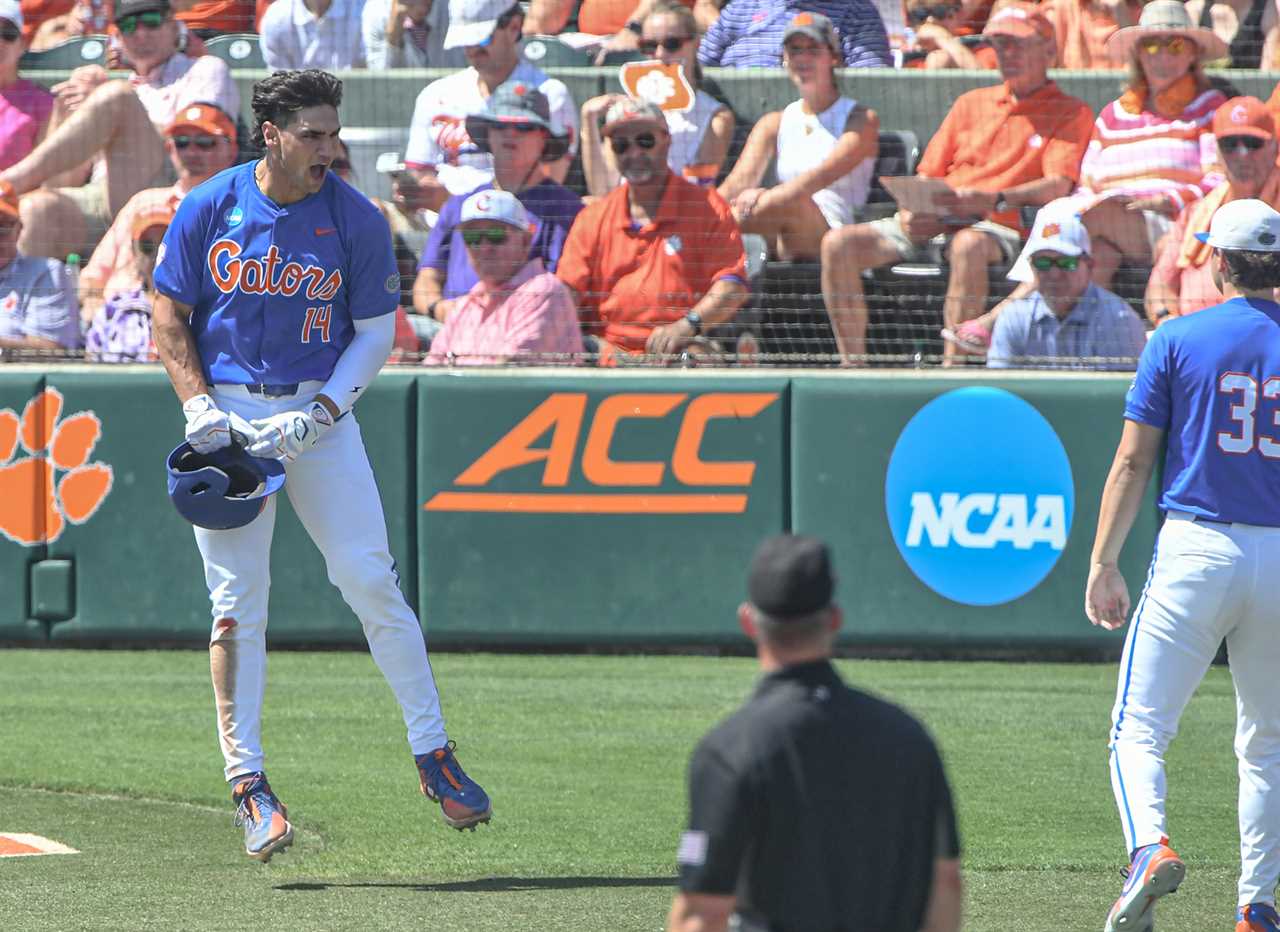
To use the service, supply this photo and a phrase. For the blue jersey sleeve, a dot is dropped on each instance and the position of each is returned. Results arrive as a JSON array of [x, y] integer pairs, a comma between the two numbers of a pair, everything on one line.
[[179, 271], [440, 241], [1149, 400], [374, 287]]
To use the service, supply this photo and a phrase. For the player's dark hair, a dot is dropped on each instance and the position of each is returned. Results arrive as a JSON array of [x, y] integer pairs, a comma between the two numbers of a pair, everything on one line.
[[1252, 271], [279, 98]]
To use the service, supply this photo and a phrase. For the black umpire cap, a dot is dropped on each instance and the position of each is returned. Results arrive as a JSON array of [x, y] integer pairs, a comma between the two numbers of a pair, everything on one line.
[[791, 576]]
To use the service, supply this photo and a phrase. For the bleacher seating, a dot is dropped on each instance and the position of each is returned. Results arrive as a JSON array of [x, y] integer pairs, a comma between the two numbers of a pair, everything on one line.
[[82, 50], [238, 50]]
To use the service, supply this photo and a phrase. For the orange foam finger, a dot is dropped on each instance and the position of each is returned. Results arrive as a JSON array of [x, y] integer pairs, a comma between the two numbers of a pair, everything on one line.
[[74, 440], [8, 434], [38, 418], [83, 491]]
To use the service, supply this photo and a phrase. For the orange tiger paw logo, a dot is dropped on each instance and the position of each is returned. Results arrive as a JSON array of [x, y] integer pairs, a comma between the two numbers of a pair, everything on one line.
[[40, 493]]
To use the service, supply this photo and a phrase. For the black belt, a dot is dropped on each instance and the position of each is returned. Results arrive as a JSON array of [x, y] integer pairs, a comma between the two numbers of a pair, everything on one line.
[[273, 391], [1201, 519]]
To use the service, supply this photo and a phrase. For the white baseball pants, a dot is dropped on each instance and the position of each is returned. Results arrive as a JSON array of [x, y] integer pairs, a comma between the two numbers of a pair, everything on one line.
[[333, 491], [1208, 581]]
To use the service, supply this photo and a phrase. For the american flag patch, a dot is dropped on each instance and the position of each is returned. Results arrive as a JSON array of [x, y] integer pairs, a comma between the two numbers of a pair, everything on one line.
[[693, 849]]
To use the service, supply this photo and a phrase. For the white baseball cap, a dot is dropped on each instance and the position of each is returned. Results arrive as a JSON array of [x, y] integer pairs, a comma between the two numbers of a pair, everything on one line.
[[1063, 232], [1250, 225], [12, 11], [472, 22], [500, 206]]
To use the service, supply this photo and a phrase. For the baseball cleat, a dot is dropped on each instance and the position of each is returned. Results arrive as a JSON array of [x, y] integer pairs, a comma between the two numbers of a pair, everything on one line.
[[462, 802], [1155, 871], [1257, 917], [265, 820]]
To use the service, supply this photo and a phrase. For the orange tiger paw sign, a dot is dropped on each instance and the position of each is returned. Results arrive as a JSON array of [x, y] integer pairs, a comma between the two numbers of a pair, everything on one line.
[[659, 83], [56, 484]]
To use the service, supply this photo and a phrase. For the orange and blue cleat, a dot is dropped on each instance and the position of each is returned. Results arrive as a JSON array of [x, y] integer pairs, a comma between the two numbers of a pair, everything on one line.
[[1257, 917], [1155, 870], [462, 802], [265, 820]]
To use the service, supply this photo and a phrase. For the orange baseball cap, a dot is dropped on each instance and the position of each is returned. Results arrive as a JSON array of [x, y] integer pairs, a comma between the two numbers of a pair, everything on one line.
[[1020, 20], [1244, 116], [204, 118], [159, 216]]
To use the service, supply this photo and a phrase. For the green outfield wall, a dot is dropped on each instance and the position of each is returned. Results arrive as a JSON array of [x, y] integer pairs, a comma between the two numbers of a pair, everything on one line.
[[568, 507]]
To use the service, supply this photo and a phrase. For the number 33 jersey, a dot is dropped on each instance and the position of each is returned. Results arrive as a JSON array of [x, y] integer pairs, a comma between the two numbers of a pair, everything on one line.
[[274, 288], [1212, 381]]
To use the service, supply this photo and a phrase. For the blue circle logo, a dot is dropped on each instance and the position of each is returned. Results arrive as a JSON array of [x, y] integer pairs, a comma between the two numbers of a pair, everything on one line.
[[979, 496], [234, 216]]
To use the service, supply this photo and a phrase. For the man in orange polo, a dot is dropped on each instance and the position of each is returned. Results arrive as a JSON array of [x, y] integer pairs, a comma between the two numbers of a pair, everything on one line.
[[657, 262], [1000, 148]]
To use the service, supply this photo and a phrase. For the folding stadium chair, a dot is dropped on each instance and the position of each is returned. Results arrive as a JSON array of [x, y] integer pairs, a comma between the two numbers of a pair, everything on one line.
[[550, 52], [238, 50], [82, 50]]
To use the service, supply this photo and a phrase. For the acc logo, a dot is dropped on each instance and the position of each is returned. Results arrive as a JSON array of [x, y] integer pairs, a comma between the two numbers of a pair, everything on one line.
[[979, 496], [233, 216], [55, 484]]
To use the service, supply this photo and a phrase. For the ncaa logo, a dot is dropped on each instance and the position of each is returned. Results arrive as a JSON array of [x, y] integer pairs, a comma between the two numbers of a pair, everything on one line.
[[979, 496], [233, 216]]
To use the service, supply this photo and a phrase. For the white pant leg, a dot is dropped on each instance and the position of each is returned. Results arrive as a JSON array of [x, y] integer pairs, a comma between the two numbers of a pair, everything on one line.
[[1173, 637], [332, 488], [1254, 651], [237, 572]]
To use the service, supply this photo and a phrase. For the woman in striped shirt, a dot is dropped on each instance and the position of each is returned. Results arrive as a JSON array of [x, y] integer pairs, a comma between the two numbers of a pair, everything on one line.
[[1152, 151]]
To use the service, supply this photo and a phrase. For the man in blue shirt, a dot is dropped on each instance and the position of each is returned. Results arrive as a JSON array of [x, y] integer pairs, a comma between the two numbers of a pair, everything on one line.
[[516, 128], [748, 33], [1066, 317], [1208, 390], [277, 290]]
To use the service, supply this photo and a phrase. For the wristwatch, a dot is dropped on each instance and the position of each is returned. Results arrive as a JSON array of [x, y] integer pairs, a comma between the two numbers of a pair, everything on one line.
[[695, 321], [1002, 203]]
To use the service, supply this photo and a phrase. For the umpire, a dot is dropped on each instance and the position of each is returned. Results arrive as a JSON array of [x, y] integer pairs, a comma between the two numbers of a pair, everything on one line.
[[815, 807]]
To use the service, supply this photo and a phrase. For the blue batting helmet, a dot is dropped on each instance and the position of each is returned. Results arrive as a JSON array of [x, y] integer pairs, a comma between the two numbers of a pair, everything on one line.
[[221, 490]]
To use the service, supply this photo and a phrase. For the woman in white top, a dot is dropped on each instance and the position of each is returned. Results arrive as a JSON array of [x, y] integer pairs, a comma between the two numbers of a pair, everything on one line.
[[825, 146], [700, 137]]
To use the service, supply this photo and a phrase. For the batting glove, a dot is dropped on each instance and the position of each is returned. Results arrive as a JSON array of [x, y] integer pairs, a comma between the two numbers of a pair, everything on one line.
[[208, 429], [288, 435]]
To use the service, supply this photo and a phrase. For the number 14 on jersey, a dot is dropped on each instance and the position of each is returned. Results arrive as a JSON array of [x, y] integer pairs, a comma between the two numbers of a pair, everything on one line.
[[317, 319]]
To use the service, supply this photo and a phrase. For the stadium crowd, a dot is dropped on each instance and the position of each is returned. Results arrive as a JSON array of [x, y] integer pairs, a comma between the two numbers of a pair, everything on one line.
[[513, 203]]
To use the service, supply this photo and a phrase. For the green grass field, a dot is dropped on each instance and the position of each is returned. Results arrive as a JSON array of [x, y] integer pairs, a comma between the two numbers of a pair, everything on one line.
[[114, 753]]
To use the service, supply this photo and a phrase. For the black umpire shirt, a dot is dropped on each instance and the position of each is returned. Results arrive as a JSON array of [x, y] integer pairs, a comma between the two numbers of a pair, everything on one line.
[[820, 808]]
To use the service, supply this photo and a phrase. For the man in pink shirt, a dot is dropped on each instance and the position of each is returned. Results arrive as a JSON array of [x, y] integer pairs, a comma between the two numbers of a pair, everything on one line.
[[116, 126], [1182, 280], [201, 141], [517, 308]]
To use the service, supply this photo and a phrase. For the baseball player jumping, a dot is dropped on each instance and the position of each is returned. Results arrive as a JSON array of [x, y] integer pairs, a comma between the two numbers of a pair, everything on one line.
[[1209, 385], [277, 291]]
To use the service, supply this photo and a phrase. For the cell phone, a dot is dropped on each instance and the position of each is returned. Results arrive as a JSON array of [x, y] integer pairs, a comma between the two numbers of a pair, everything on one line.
[[390, 163]]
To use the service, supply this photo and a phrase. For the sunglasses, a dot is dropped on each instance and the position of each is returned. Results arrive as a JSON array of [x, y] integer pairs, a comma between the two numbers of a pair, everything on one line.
[[941, 11], [620, 144], [1045, 263], [519, 127], [148, 247], [1232, 143], [493, 236], [200, 142], [671, 44], [10, 32], [1176, 46]]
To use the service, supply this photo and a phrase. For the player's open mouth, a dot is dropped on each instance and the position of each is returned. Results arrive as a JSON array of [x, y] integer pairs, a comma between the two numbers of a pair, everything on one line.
[[317, 172]]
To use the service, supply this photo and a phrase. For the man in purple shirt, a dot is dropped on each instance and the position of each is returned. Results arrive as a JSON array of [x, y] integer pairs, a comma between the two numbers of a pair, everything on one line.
[[748, 33], [516, 308], [516, 128]]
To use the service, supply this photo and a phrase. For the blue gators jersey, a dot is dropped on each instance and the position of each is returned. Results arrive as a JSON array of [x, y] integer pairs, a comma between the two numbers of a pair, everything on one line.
[[1212, 380], [274, 288]]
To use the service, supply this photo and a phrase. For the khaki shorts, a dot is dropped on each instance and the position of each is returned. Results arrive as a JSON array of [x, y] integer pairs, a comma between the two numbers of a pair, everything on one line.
[[934, 250], [91, 200]]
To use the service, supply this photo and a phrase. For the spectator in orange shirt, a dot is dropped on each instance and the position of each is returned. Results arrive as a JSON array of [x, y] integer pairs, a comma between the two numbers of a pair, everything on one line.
[[1182, 280], [657, 262], [200, 142], [615, 25], [1000, 148], [209, 18], [1083, 28], [936, 27]]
